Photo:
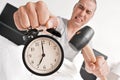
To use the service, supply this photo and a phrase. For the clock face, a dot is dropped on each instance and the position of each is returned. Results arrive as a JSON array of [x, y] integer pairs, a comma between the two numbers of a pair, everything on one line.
[[43, 55]]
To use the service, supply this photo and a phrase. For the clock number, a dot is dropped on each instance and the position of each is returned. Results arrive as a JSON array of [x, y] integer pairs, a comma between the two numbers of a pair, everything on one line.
[[43, 41], [49, 43], [57, 53], [44, 67], [36, 44], [32, 62], [54, 47], [55, 60], [32, 49], [51, 65], [30, 55]]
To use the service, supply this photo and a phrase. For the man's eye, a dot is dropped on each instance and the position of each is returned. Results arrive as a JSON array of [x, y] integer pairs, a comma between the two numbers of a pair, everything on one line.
[[81, 7], [88, 12]]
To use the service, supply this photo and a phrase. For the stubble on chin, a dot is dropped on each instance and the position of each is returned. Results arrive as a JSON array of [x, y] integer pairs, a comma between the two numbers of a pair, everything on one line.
[[77, 25]]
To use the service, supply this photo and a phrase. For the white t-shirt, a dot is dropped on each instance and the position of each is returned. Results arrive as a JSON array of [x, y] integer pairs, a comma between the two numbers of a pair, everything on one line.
[[68, 51]]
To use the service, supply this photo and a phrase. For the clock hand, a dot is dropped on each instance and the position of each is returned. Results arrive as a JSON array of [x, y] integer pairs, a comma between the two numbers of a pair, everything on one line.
[[43, 54], [42, 47]]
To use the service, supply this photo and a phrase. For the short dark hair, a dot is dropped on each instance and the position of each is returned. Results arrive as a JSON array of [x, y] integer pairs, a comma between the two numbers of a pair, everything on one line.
[[94, 2]]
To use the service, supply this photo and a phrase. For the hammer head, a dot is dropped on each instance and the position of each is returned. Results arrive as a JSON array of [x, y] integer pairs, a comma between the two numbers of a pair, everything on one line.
[[81, 38]]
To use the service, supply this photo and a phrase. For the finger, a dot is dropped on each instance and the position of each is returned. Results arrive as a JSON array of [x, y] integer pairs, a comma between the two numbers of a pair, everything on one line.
[[105, 68], [17, 22], [89, 67], [42, 12], [52, 22], [30, 9], [23, 18], [88, 64], [100, 61], [88, 54]]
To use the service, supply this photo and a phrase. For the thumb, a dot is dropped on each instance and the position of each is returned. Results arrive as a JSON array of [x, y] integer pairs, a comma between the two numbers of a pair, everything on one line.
[[92, 66], [89, 67], [52, 22]]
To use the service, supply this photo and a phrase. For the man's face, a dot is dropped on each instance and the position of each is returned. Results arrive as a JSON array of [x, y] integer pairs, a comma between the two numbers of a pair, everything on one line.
[[83, 12]]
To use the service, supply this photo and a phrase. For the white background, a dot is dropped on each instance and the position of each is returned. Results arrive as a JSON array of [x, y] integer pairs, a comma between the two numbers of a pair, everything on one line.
[[106, 22]]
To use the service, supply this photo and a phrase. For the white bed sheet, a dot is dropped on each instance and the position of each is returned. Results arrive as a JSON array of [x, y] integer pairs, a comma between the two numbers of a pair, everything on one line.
[[12, 67]]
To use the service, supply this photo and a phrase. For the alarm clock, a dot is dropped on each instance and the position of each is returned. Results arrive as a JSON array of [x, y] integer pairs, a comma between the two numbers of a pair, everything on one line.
[[42, 54]]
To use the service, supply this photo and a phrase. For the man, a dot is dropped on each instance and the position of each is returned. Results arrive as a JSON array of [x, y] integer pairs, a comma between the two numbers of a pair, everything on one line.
[[37, 14]]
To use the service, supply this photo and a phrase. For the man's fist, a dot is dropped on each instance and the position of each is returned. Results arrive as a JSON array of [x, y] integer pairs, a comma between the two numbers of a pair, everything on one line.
[[34, 15]]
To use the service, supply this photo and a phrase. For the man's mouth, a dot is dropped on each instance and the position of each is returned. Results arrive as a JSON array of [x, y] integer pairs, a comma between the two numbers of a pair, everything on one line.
[[78, 19]]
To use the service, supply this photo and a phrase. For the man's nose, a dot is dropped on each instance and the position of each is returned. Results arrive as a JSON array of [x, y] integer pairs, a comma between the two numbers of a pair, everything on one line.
[[83, 13]]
